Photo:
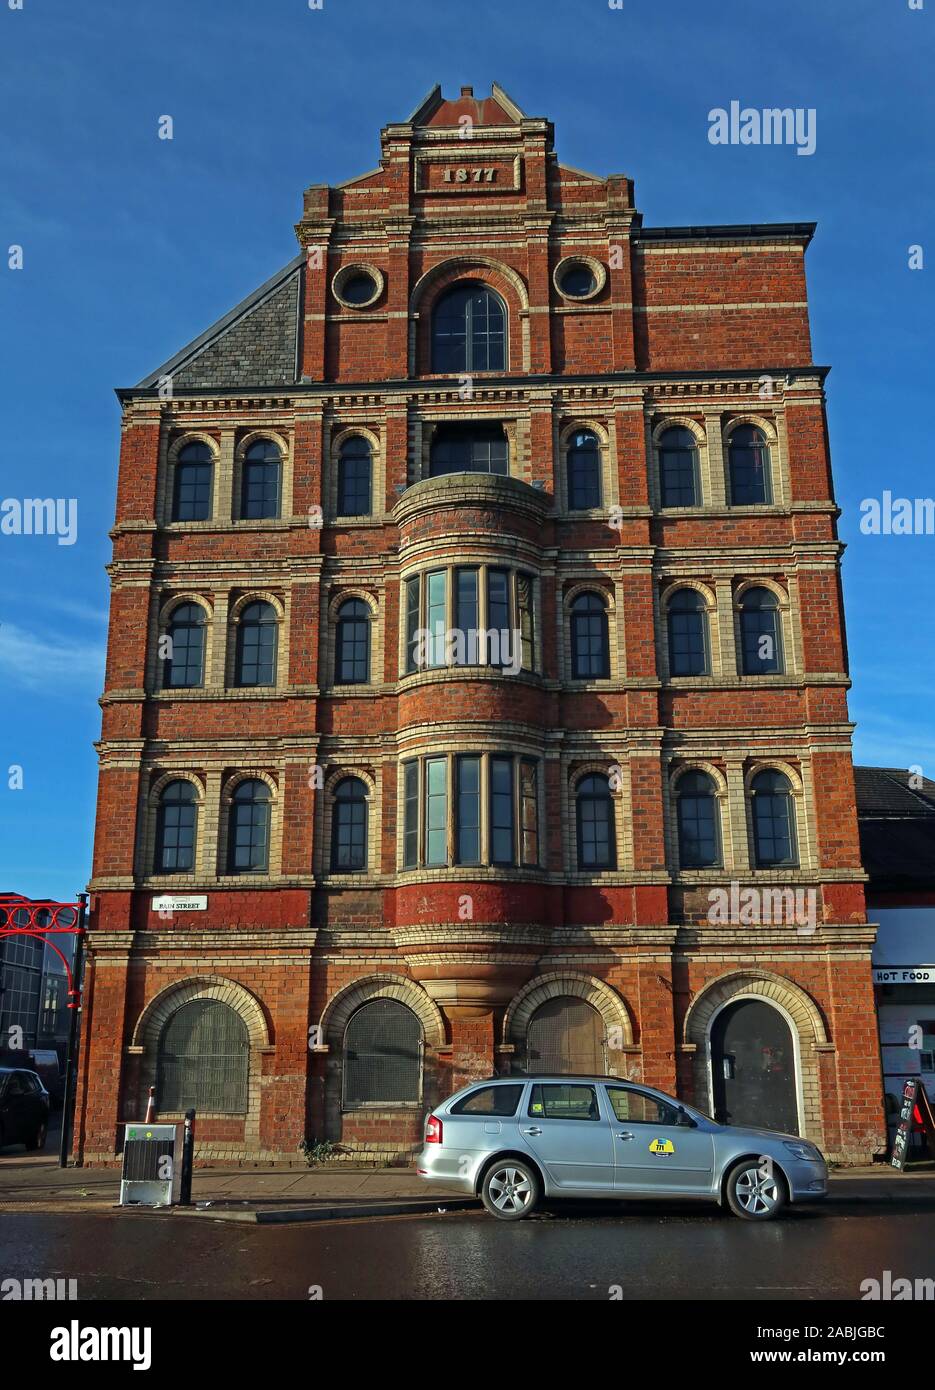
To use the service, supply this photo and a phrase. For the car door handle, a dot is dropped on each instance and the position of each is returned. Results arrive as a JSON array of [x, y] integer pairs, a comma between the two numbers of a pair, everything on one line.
[[533, 1129], [624, 1134]]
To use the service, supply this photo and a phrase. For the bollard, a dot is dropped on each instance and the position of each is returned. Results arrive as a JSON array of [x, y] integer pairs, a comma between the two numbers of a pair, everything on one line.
[[188, 1158], [151, 1107]]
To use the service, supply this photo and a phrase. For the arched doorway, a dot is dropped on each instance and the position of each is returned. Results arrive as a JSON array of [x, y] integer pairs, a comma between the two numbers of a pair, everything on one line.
[[753, 1067], [566, 1035]]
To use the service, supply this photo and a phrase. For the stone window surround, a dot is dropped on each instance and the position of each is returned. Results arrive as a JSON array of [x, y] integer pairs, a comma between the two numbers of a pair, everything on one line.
[[605, 588], [607, 450], [282, 640], [328, 654], [214, 789], [339, 437], [167, 605], [576, 766], [439, 279], [484, 747], [167, 1001], [515, 429], [713, 467], [732, 776], [482, 557], [372, 779], [227, 455], [723, 618]]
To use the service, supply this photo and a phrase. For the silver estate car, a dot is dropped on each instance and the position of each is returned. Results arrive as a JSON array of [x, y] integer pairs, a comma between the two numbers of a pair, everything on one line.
[[516, 1139]]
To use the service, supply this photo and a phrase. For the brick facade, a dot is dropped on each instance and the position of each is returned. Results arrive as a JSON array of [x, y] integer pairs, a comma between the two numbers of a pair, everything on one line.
[[703, 328]]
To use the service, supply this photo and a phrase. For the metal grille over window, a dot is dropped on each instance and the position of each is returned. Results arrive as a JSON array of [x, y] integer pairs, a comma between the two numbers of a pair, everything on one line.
[[566, 1037], [203, 1060], [382, 1055]]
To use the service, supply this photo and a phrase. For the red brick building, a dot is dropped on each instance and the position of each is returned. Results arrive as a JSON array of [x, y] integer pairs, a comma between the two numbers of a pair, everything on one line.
[[476, 687]]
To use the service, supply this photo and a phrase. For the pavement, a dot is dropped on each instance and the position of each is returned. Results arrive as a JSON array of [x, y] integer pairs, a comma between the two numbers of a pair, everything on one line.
[[329, 1191]]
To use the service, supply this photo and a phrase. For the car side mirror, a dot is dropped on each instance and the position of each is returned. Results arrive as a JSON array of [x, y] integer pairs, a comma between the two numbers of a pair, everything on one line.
[[685, 1120]]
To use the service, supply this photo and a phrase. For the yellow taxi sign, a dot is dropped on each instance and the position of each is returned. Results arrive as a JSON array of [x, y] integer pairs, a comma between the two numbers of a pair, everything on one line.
[[662, 1146]]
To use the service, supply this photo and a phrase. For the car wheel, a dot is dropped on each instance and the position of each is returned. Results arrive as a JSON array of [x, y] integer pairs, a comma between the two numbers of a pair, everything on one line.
[[755, 1193], [37, 1139], [510, 1189]]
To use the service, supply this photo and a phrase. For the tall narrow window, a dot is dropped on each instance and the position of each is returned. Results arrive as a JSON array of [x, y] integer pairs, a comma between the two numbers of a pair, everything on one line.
[[529, 811], [352, 644], [412, 624], [467, 771], [498, 617], [175, 829], [436, 584], [502, 833], [469, 330], [248, 828], [262, 479], [760, 633], [355, 473], [472, 448], [194, 471], [467, 621], [749, 467], [678, 468], [594, 808], [699, 831], [688, 634], [256, 645], [410, 815], [773, 814], [436, 811], [590, 645], [584, 471], [526, 611], [184, 667], [349, 827]]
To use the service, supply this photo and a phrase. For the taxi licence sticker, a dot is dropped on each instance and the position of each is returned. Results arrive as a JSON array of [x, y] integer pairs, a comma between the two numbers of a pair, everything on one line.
[[662, 1146]]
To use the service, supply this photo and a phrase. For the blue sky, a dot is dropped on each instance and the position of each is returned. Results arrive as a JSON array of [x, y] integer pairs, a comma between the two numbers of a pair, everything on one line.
[[133, 245]]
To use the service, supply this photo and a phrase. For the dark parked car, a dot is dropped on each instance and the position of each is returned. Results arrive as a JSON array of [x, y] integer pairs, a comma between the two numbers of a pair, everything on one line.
[[24, 1108]]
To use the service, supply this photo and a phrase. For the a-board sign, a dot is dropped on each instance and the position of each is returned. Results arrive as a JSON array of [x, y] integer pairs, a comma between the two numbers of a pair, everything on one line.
[[915, 1116]]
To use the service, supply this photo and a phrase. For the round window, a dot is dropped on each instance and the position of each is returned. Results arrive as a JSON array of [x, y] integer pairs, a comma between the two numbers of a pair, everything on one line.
[[579, 277], [357, 286]]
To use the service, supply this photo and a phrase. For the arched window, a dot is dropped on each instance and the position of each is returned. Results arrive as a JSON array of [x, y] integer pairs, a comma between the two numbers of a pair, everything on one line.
[[184, 667], [469, 448], [349, 827], [760, 632], [594, 807], [749, 467], [256, 645], [688, 634], [175, 828], [566, 1037], [382, 1055], [355, 474], [773, 814], [584, 471], [194, 474], [698, 821], [248, 828], [678, 468], [261, 482], [352, 644], [469, 330], [590, 642], [203, 1060]]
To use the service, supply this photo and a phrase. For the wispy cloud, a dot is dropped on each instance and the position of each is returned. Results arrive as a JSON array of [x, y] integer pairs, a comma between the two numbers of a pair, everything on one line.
[[48, 662]]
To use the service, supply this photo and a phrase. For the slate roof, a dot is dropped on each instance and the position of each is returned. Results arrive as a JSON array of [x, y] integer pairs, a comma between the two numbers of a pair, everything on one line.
[[896, 822], [255, 345]]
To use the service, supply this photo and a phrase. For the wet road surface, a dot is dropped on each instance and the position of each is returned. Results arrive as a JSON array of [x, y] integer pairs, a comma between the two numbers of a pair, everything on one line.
[[561, 1253]]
